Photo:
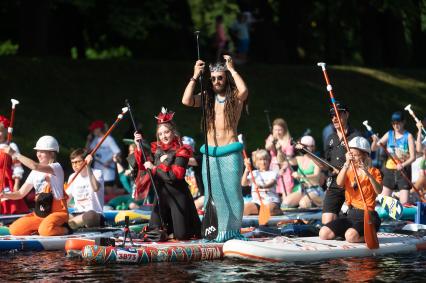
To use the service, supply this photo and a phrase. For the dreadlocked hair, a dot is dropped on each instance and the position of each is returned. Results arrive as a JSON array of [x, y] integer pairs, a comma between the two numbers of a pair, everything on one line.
[[230, 103]]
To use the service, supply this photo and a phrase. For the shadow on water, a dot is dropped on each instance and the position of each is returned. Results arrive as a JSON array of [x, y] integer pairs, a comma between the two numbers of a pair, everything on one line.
[[54, 267]]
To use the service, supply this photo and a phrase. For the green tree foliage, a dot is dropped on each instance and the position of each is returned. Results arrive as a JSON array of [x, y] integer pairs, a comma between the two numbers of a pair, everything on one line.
[[204, 12], [359, 32], [8, 48]]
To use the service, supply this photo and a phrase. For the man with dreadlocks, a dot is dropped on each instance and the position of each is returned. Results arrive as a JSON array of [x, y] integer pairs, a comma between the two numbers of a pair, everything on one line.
[[225, 96]]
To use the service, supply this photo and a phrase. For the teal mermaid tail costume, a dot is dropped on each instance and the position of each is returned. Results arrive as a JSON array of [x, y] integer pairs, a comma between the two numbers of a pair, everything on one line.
[[226, 166]]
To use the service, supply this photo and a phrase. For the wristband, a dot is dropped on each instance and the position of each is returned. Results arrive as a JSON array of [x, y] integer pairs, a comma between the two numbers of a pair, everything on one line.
[[192, 79]]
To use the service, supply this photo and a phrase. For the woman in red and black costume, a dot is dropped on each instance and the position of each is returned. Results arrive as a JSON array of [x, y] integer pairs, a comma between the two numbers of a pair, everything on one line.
[[168, 170]]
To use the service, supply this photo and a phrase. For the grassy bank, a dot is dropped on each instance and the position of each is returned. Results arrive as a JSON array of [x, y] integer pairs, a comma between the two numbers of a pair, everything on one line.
[[61, 97]]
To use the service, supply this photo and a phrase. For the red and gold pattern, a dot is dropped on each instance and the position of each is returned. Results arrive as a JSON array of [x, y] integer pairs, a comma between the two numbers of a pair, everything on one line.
[[153, 252]]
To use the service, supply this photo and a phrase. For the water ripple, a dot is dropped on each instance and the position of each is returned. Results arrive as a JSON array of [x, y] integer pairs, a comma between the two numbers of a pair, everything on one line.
[[55, 267]]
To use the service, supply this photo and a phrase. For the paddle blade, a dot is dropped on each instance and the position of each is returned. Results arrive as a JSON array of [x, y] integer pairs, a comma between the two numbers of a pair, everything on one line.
[[210, 227], [264, 214], [370, 234]]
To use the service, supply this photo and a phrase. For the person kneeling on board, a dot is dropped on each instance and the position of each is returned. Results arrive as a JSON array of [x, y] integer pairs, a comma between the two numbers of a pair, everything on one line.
[[351, 227], [87, 191], [47, 178]]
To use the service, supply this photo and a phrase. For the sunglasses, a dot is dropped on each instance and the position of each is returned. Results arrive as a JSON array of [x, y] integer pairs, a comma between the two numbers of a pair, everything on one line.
[[333, 114], [219, 78], [77, 162]]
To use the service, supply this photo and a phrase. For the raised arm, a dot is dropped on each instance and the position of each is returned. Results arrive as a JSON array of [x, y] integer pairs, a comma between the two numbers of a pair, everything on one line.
[[239, 82], [244, 179], [376, 142], [31, 164], [189, 99], [93, 181]]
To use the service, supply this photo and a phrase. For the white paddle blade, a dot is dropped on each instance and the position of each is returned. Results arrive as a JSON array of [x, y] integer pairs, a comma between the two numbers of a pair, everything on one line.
[[240, 138], [408, 108], [322, 65], [365, 123], [14, 102]]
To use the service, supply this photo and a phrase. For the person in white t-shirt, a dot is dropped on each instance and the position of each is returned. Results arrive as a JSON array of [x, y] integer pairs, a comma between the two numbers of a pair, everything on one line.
[[103, 159], [266, 181], [47, 178], [87, 190]]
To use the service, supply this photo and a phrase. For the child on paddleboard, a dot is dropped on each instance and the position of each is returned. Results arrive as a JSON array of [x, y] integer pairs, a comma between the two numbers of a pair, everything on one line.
[[351, 227], [87, 190], [266, 181]]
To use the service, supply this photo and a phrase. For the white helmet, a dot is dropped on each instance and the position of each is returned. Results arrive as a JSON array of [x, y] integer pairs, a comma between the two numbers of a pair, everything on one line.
[[307, 141], [47, 143], [361, 144]]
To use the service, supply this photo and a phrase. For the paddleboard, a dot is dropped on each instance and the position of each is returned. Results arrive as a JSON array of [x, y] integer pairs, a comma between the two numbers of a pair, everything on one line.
[[252, 220], [414, 227], [284, 249], [49, 243], [143, 253]]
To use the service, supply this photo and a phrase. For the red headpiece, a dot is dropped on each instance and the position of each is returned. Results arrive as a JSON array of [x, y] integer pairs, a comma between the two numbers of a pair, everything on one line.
[[164, 116], [4, 121], [98, 124]]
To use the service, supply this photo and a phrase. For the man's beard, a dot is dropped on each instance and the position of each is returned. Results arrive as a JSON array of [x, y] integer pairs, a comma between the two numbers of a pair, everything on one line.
[[219, 89]]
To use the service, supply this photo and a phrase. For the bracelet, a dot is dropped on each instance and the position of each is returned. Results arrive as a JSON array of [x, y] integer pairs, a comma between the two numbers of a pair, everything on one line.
[[192, 79], [346, 166]]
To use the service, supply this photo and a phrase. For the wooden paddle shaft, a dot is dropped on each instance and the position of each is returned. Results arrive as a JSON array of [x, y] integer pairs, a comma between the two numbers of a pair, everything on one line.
[[370, 233], [92, 153]]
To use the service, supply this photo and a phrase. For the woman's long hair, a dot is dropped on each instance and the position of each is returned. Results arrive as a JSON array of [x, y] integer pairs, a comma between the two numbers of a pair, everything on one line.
[[172, 127], [283, 124]]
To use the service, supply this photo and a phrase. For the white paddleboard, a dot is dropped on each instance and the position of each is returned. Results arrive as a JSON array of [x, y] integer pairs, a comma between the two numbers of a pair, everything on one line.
[[281, 249]]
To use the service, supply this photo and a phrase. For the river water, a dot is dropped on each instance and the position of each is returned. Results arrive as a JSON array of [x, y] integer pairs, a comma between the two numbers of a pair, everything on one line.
[[55, 267]]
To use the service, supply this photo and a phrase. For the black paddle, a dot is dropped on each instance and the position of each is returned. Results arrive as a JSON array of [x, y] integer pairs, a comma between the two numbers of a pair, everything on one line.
[[209, 226], [163, 227], [318, 159]]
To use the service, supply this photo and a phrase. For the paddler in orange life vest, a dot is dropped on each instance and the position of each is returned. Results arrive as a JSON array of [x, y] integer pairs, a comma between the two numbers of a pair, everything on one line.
[[47, 178], [10, 173], [351, 227]]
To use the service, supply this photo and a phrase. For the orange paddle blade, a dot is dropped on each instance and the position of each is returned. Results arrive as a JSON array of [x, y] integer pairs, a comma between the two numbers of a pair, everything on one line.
[[370, 234], [264, 214]]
